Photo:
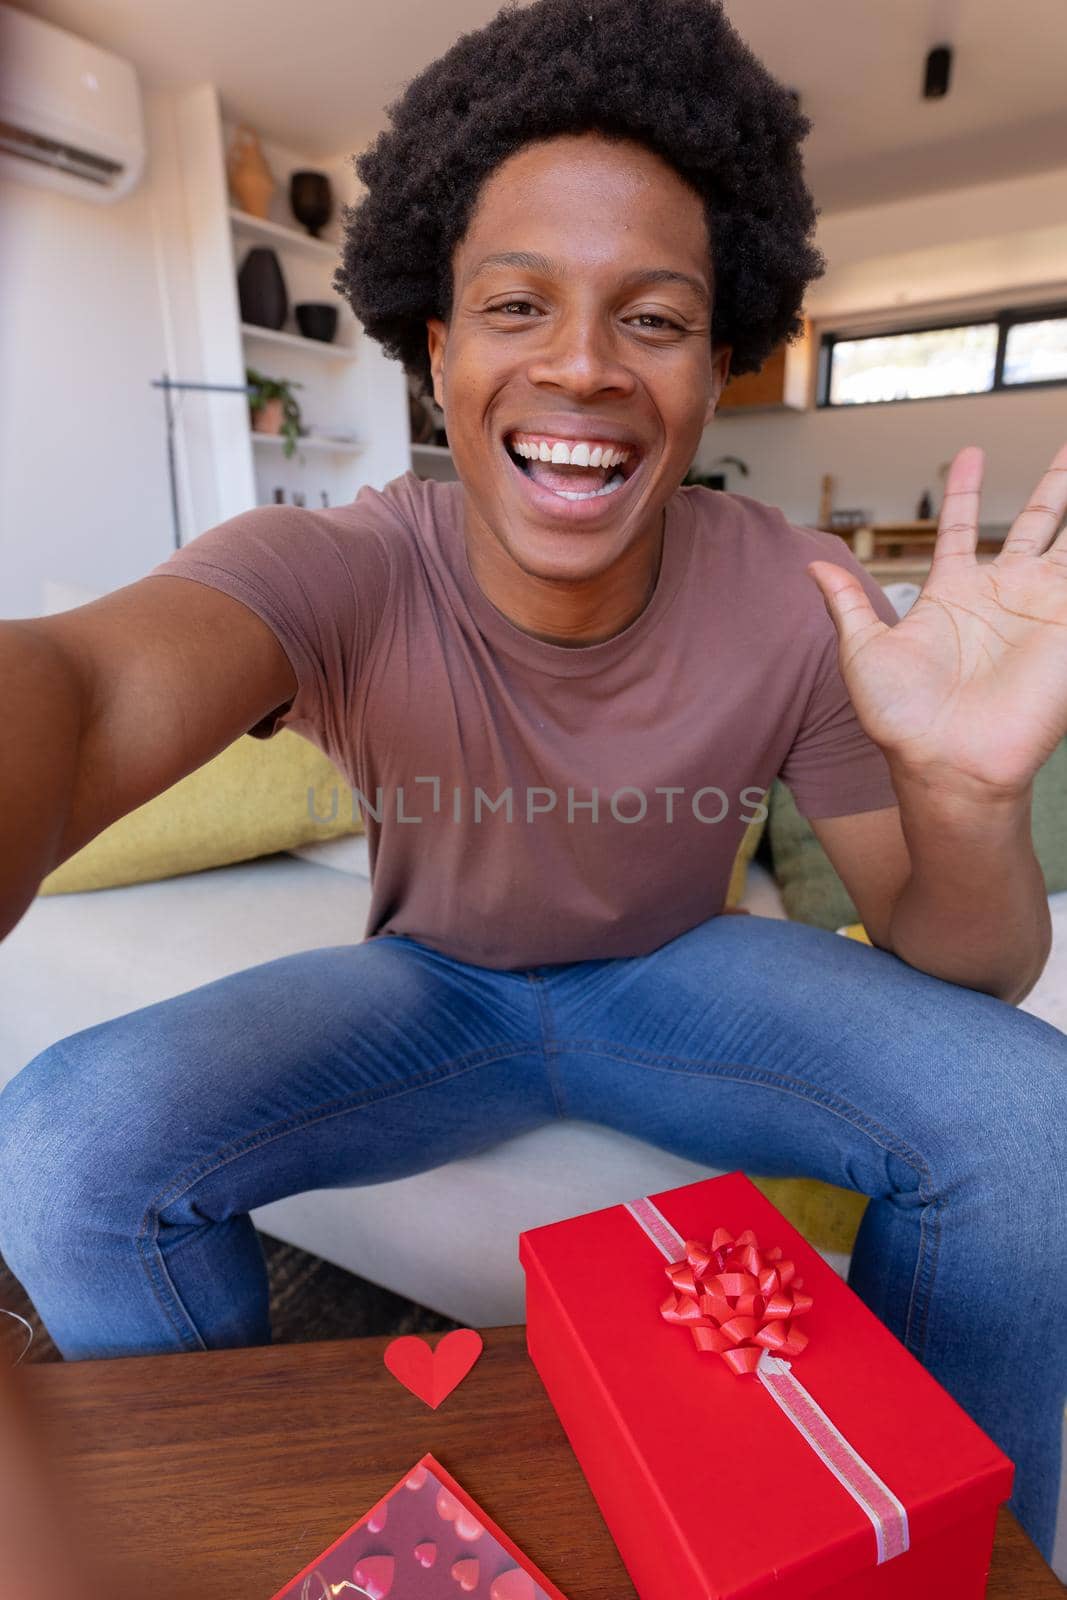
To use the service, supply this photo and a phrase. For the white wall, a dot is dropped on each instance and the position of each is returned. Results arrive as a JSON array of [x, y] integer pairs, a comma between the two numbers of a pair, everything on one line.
[[97, 300], [83, 496], [971, 250]]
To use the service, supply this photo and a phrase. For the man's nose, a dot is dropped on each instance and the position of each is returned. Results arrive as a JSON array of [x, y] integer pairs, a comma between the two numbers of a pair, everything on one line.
[[581, 352]]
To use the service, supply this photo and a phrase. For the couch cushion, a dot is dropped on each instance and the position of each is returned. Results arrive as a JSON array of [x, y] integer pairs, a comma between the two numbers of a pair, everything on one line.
[[475, 1208], [252, 799], [813, 892], [78, 959], [1048, 998]]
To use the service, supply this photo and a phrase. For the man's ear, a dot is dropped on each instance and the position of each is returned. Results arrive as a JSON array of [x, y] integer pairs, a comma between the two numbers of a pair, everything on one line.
[[437, 337], [720, 372]]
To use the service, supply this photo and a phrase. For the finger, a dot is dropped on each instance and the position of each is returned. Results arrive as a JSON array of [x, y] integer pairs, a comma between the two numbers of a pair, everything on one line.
[[846, 600], [1035, 527], [957, 524]]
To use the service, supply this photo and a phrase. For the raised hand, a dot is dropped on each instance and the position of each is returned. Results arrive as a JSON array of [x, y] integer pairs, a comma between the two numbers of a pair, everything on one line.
[[970, 687]]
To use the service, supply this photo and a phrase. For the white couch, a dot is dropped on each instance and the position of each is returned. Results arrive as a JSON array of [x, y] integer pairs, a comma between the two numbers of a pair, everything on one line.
[[75, 960]]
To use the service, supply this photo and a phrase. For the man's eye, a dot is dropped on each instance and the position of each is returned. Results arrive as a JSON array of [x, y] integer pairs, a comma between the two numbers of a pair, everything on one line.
[[642, 316]]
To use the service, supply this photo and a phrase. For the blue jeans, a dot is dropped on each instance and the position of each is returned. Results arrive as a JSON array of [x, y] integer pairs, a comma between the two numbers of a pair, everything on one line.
[[132, 1152]]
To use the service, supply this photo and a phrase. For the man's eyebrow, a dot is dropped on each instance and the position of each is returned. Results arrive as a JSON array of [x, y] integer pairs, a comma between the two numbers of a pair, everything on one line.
[[533, 261]]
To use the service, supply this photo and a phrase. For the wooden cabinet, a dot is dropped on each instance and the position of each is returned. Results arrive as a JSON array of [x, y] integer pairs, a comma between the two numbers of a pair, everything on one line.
[[783, 383]]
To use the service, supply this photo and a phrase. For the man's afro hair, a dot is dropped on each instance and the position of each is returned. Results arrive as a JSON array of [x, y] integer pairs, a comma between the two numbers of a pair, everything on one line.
[[670, 74]]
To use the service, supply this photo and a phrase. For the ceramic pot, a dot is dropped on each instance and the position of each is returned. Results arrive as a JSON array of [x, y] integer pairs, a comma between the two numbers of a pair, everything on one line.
[[251, 180], [268, 417], [261, 289], [311, 200], [316, 320]]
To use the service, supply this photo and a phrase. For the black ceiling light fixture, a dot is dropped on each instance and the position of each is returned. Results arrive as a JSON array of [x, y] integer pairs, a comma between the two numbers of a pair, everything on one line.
[[938, 72]]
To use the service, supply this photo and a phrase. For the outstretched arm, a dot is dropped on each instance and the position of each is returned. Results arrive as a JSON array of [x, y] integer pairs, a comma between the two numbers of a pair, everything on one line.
[[107, 705]]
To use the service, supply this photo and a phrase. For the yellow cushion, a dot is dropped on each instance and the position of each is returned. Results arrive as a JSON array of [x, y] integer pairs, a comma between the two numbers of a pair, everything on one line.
[[250, 800], [746, 850], [828, 1217]]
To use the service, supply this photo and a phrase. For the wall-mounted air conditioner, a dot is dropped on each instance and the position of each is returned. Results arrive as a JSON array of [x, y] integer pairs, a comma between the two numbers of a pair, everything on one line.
[[70, 113]]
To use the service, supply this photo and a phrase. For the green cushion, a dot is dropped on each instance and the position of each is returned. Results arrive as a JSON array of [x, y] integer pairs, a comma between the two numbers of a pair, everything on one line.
[[813, 892], [1050, 819]]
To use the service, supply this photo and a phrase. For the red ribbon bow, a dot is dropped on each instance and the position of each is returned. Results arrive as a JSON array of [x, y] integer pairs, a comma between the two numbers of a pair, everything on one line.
[[738, 1300]]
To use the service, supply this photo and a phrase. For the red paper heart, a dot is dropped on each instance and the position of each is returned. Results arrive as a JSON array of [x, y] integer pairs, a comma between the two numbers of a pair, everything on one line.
[[513, 1585], [375, 1574], [426, 1553], [433, 1374], [377, 1518], [465, 1573]]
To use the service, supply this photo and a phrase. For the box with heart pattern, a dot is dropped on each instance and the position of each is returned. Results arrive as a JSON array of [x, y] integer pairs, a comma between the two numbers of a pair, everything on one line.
[[427, 1539], [748, 1427]]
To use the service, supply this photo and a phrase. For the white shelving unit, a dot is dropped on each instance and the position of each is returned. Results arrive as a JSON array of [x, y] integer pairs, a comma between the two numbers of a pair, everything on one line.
[[312, 442], [262, 231], [352, 397], [322, 468], [297, 341]]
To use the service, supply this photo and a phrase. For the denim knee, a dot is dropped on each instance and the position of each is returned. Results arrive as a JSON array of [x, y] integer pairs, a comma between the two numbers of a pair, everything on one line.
[[1002, 1137], [51, 1158]]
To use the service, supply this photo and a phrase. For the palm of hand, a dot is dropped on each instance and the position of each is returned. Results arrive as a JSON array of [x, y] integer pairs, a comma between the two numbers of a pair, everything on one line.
[[973, 680]]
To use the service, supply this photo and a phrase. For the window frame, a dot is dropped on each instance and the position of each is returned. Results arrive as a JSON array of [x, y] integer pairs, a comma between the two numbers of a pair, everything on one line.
[[1005, 320]]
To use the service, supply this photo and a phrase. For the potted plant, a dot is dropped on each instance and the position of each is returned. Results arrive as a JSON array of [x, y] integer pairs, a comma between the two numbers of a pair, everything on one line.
[[274, 407]]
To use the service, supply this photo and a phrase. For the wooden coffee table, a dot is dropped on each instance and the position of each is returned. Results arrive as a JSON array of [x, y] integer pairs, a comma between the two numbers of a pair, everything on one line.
[[222, 1474]]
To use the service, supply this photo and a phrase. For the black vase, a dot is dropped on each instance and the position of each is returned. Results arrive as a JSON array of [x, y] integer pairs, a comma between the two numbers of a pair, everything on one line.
[[311, 199], [316, 320], [261, 289]]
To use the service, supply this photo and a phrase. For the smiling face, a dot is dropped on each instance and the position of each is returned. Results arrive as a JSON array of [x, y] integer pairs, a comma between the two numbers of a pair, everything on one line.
[[594, 332]]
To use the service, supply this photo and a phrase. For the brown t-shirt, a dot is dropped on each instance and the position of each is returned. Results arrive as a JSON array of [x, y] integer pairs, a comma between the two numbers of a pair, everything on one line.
[[530, 803]]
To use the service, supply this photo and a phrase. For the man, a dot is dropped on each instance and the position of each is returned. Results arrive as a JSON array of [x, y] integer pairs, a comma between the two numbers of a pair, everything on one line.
[[562, 686]]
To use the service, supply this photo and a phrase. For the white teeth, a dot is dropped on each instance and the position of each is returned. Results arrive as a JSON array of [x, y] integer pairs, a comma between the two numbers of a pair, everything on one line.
[[576, 455], [593, 494]]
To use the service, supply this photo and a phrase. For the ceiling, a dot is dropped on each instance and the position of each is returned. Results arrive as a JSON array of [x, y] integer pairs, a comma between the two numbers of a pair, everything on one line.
[[317, 76]]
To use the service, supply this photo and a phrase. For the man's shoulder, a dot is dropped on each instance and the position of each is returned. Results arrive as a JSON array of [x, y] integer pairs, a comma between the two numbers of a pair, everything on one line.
[[380, 528], [396, 512]]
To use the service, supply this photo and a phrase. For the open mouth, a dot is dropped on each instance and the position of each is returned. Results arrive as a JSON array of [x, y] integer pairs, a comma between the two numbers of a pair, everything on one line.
[[591, 472]]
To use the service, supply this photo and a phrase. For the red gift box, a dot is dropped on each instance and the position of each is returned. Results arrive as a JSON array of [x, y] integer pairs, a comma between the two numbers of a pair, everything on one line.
[[836, 1467]]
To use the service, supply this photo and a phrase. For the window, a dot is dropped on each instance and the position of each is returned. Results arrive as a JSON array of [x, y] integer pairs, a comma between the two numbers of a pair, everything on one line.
[[1015, 349], [1036, 351]]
